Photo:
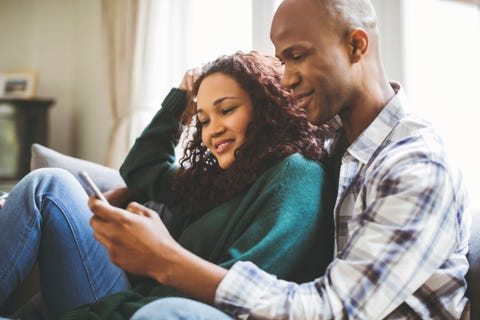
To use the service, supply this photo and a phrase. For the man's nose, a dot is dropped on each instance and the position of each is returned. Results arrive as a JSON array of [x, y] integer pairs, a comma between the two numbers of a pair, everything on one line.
[[290, 78]]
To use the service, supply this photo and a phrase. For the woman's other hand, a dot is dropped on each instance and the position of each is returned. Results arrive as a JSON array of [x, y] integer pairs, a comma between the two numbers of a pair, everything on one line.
[[189, 79]]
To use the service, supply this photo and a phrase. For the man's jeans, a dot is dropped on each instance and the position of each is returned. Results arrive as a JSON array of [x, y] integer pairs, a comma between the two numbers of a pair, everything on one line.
[[46, 218], [178, 309]]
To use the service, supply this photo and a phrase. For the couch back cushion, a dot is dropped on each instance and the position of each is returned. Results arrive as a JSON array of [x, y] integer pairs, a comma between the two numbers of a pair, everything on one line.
[[106, 178]]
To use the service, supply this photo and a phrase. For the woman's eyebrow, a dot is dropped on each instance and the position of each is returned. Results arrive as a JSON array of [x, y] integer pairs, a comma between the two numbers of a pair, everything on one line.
[[219, 101], [216, 103]]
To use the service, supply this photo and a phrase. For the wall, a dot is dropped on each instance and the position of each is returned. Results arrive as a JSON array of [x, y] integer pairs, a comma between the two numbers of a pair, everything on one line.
[[91, 102], [61, 40]]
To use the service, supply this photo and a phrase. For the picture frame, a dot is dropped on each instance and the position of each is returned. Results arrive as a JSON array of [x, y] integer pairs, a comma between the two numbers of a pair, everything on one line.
[[18, 84]]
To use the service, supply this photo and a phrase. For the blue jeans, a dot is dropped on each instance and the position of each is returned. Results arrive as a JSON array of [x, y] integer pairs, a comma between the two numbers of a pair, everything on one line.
[[46, 219], [178, 309]]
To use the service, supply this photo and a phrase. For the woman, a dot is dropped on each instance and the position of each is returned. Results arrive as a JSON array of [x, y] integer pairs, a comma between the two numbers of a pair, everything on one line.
[[249, 186]]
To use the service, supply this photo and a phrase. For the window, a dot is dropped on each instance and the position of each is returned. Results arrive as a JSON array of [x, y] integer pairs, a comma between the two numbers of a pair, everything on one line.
[[442, 68], [189, 33]]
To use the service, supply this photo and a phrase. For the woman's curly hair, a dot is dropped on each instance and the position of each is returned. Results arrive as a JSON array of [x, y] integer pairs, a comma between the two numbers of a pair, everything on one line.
[[278, 129]]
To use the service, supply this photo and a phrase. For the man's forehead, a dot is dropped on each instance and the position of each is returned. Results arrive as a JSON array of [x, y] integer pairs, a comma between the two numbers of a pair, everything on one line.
[[290, 25]]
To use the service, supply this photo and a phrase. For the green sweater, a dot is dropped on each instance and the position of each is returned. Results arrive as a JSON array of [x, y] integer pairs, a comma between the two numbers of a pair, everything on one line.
[[283, 223]]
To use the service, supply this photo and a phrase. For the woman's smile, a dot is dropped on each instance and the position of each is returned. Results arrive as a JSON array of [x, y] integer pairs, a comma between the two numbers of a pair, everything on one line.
[[223, 145]]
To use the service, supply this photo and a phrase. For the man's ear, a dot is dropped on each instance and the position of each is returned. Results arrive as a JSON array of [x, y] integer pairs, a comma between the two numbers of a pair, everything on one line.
[[358, 44]]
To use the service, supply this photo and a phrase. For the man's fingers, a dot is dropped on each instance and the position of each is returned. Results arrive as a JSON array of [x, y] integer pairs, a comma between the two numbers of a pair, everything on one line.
[[107, 243], [134, 207], [139, 209], [104, 210], [100, 231], [109, 234]]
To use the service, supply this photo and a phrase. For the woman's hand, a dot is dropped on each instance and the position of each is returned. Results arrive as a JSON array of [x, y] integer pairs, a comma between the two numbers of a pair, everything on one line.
[[189, 79]]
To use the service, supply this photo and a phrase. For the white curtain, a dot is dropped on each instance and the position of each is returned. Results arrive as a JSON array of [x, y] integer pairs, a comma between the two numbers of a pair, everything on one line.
[[120, 31], [143, 41]]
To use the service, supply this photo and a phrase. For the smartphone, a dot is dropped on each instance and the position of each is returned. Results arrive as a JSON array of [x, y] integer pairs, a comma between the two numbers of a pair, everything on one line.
[[93, 187]]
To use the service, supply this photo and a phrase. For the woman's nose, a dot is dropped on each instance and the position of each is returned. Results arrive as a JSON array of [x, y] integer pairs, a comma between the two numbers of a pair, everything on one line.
[[216, 128]]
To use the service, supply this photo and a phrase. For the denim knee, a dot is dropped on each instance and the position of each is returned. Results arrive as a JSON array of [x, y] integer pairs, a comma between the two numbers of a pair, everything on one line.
[[46, 174], [178, 309], [47, 180]]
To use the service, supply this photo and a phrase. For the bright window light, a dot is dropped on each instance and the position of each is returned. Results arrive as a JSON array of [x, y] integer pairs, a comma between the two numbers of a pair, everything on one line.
[[442, 40]]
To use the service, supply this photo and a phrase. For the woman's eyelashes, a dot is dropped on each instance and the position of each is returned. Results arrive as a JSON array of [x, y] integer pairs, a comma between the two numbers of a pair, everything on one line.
[[228, 110], [224, 111], [204, 122]]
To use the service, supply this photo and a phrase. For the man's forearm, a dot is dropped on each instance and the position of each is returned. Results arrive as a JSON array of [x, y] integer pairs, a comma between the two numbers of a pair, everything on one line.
[[190, 274]]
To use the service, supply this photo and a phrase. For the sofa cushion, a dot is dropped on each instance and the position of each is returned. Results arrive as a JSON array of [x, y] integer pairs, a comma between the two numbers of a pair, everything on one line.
[[106, 178]]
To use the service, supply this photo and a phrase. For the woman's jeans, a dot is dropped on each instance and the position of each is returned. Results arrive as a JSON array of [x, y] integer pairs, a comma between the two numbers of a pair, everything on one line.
[[46, 219], [178, 309]]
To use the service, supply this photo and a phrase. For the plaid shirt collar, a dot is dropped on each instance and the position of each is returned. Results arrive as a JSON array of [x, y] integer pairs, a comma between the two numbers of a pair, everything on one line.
[[350, 161], [364, 147]]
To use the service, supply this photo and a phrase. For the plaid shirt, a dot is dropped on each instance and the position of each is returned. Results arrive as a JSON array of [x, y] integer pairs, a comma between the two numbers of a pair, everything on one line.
[[401, 235]]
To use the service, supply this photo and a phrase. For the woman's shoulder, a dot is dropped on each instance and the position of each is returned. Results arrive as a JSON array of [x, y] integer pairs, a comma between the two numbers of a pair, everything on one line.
[[297, 161], [297, 166], [290, 175]]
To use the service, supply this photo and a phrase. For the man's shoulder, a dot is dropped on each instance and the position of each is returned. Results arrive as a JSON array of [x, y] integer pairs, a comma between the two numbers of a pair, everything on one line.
[[414, 136], [412, 145]]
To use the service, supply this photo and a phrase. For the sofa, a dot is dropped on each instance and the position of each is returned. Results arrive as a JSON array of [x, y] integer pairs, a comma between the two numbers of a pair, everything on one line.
[[29, 301]]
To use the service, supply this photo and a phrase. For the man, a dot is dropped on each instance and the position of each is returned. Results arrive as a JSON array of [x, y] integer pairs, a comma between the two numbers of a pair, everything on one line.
[[401, 230]]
